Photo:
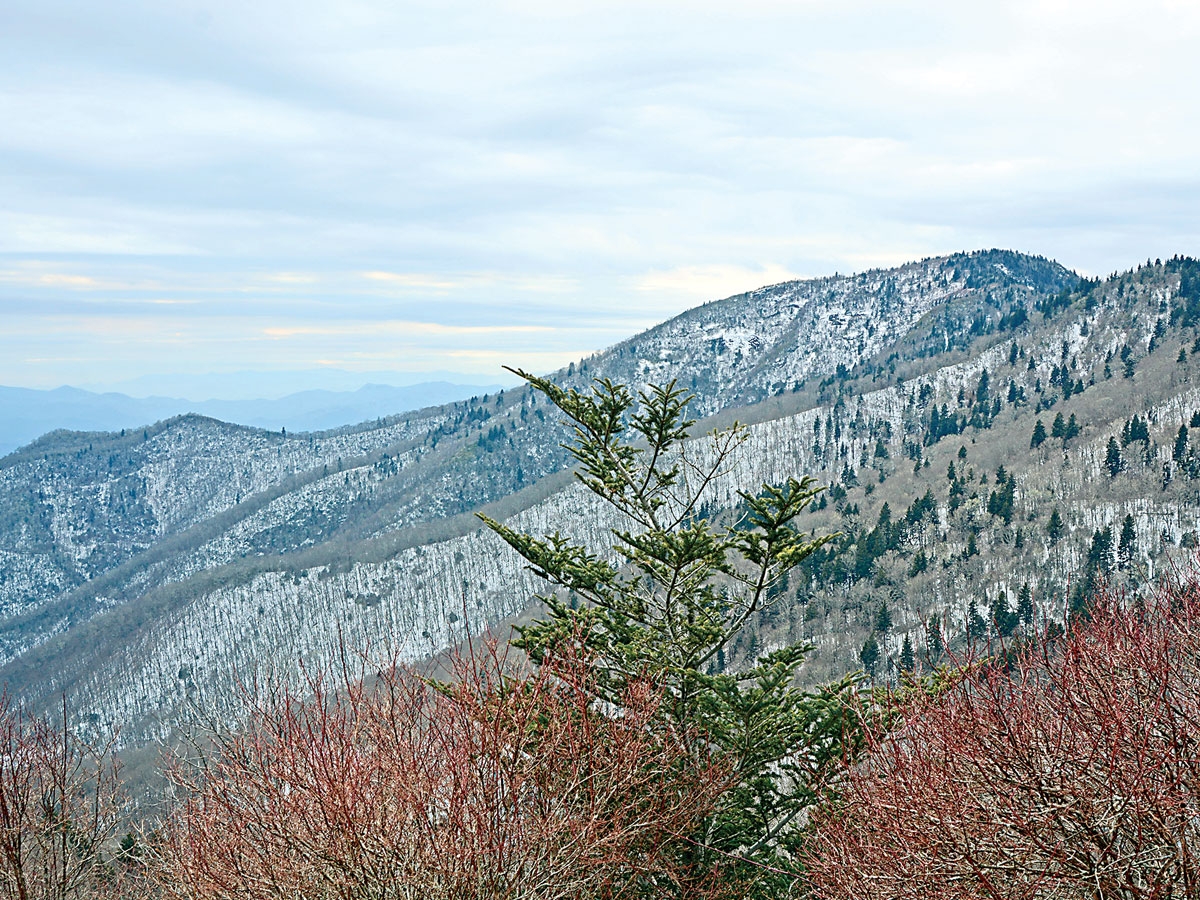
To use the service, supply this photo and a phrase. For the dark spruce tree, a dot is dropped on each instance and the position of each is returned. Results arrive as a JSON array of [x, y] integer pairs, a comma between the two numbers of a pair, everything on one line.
[[920, 562], [869, 655], [1114, 463], [1055, 527], [935, 643], [1095, 572], [977, 626], [666, 601], [1004, 617], [1000, 501], [1059, 428], [1039, 435], [908, 660], [1025, 612], [883, 618], [1127, 545]]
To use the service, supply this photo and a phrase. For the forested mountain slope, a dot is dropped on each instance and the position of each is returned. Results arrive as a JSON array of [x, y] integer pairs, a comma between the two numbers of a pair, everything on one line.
[[77, 506], [140, 572]]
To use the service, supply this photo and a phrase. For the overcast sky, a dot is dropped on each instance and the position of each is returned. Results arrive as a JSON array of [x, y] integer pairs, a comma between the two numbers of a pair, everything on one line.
[[394, 186]]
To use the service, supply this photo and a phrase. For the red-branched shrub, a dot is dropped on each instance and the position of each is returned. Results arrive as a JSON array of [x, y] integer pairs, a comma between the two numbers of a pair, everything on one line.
[[1071, 771], [500, 785], [59, 806]]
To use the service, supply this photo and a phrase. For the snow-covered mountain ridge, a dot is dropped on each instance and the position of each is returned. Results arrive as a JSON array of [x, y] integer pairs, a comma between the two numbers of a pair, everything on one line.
[[362, 534]]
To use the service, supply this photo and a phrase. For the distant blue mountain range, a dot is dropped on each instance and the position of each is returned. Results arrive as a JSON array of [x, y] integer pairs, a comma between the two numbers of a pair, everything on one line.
[[26, 414]]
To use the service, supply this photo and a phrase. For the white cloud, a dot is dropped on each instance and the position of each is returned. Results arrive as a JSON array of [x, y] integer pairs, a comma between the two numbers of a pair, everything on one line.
[[73, 281], [413, 280], [585, 167], [701, 283], [400, 328]]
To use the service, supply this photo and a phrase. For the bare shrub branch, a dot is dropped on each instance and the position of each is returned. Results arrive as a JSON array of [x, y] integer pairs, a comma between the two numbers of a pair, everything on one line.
[[506, 783], [59, 806], [1071, 771]]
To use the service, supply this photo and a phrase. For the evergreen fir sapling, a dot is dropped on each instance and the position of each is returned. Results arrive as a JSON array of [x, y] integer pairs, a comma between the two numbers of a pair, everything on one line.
[[685, 590]]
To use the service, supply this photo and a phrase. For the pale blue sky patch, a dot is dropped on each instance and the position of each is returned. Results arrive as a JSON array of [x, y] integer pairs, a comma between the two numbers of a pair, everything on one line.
[[402, 187]]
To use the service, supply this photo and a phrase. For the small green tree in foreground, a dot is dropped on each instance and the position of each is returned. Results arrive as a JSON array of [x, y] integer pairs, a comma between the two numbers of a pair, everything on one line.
[[665, 602]]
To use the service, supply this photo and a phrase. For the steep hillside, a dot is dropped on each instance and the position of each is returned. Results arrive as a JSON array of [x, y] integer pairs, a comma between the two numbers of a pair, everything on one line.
[[72, 506], [992, 494], [772, 341], [90, 522], [915, 392]]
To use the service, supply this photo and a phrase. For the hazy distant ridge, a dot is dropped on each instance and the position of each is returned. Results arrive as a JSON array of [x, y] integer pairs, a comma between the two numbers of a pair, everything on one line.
[[26, 414]]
